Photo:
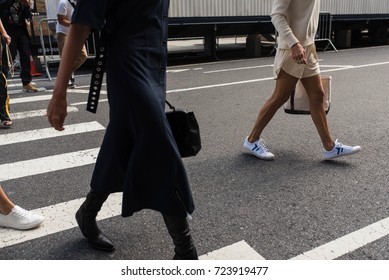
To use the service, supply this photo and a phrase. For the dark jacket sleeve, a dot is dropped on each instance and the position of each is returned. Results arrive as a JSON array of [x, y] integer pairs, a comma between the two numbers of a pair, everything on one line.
[[91, 13], [6, 3], [26, 12]]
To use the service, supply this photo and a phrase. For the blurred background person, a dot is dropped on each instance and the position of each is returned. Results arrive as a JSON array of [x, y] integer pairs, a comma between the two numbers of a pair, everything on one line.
[[5, 117], [16, 15], [134, 33], [64, 16]]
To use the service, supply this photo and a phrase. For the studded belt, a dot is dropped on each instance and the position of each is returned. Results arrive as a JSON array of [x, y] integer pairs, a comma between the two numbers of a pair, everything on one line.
[[97, 79]]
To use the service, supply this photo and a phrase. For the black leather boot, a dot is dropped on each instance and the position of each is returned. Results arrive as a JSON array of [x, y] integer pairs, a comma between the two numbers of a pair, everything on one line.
[[179, 231], [86, 219]]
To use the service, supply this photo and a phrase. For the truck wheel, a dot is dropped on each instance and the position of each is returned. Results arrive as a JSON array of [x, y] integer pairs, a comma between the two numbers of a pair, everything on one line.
[[356, 35], [379, 34]]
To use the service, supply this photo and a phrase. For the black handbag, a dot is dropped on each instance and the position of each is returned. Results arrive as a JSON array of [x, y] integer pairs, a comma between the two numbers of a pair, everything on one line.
[[185, 130]]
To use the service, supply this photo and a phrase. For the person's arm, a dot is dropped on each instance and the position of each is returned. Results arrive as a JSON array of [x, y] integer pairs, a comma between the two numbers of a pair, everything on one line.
[[63, 20], [4, 33], [26, 10], [56, 110], [61, 14], [6, 3], [278, 18]]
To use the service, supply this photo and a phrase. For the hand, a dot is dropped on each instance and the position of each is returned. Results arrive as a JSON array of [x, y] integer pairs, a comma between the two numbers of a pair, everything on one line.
[[298, 54], [7, 38], [56, 112]]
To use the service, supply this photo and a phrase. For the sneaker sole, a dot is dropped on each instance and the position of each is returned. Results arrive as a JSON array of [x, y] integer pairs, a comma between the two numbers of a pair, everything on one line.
[[23, 227], [342, 155], [254, 154]]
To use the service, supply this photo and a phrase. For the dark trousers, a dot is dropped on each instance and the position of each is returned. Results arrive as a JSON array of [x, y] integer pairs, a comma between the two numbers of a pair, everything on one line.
[[20, 43]]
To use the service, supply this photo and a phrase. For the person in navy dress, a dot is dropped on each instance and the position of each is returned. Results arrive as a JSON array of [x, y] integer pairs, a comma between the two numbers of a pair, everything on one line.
[[139, 155]]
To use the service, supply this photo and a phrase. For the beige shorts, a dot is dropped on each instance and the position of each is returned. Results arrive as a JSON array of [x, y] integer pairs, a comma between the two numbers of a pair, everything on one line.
[[284, 61]]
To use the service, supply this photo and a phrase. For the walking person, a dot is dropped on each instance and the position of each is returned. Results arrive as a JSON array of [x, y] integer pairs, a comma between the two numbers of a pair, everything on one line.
[[15, 15], [13, 216], [5, 116], [296, 21], [64, 16], [138, 156]]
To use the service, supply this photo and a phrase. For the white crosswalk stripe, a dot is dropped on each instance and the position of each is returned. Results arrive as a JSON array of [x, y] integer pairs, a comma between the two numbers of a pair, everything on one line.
[[29, 99], [47, 164], [36, 113], [37, 134], [60, 216]]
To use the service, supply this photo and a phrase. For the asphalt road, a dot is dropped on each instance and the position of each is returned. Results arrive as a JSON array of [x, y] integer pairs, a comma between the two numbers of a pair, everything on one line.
[[280, 210]]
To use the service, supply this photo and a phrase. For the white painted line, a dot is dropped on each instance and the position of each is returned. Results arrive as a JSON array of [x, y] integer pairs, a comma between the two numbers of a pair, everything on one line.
[[47, 164], [336, 66], [59, 217], [177, 70], [347, 243], [12, 83], [18, 91], [238, 69], [268, 65], [220, 85], [237, 251], [84, 102], [271, 78], [36, 113], [358, 66], [46, 97], [29, 99], [79, 90], [87, 86], [45, 133]]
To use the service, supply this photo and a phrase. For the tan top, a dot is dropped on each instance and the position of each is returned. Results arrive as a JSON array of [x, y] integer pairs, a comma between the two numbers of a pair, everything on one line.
[[296, 21]]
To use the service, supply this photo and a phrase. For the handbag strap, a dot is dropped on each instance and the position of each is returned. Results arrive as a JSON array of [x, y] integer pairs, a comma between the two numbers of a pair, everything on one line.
[[72, 3], [170, 105], [8, 51], [292, 99], [9, 56]]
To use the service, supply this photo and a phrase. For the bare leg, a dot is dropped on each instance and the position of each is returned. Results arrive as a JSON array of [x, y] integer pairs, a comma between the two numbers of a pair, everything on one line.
[[315, 92], [6, 204], [285, 84], [13, 216]]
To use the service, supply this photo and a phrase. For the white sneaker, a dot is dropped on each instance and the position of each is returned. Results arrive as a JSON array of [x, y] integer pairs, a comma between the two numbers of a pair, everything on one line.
[[340, 150], [20, 218], [258, 149]]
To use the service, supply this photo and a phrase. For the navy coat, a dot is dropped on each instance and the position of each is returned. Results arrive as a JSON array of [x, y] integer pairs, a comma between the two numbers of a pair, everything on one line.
[[138, 156]]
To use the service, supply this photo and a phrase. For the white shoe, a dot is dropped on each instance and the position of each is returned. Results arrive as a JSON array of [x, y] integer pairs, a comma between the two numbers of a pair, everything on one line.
[[20, 218], [340, 150], [258, 149]]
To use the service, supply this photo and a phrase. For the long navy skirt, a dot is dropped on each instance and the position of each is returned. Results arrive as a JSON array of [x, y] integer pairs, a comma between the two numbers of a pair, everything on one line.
[[139, 156]]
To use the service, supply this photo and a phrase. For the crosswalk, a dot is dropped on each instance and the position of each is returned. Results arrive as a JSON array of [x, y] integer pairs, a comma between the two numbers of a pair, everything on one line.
[[59, 217]]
